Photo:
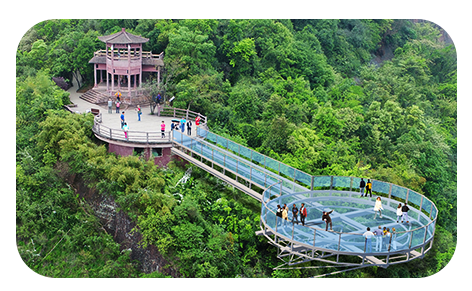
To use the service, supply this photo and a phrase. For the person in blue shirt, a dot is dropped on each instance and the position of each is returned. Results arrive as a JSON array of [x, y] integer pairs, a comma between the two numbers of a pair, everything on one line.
[[122, 117], [182, 123]]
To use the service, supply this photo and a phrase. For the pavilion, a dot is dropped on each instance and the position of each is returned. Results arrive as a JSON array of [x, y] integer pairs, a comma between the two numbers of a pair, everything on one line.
[[125, 65]]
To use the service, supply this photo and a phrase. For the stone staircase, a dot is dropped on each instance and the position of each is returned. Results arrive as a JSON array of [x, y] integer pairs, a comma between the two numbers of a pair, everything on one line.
[[94, 97]]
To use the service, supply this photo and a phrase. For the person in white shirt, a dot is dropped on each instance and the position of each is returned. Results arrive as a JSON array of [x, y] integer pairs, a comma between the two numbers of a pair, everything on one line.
[[368, 239], [378, 207], [399, 211]]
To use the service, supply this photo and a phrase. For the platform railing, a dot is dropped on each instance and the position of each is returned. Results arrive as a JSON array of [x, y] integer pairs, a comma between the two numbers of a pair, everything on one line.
[[344, 242], [132, 136]]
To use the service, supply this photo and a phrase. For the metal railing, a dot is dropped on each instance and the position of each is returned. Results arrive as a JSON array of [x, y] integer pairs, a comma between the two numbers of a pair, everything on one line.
[[347, 242], [146, 137], [131, 136]]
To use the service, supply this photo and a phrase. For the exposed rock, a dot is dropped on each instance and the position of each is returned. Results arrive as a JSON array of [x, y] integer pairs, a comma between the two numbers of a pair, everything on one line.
[[119, 225]]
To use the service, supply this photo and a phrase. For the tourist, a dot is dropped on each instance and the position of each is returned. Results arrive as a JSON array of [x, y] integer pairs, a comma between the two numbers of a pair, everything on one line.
[[189, 127], [110, 104], [138, 109], [303, 213], [182, 124], [117, 104], [125, 129], [118, 96], [278, 215], [394, 235], [295, 213], [405, 213], [122, 117], [326, 218], [378, 207], [399, 211], [158, 98], [197, 120], [388, 239], [368, 240], [378, 235], [362, 186], [163, 129], [285, 214], [368, 188]]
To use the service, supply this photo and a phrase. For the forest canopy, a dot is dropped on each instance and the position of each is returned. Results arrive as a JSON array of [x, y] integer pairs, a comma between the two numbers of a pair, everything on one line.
[[371, 98]]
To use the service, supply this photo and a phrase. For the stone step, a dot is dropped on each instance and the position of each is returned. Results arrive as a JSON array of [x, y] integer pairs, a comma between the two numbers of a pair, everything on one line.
[[94, 97]]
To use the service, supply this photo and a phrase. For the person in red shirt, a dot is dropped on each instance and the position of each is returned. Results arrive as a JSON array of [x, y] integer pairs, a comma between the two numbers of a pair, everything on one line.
[[197, 120], [303, 213]]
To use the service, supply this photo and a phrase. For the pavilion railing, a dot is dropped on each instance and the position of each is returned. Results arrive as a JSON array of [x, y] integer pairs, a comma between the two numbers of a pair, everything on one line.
[[149, 137], [132, 136]]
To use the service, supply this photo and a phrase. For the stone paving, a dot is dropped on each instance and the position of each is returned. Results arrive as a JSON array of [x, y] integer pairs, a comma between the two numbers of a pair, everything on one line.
[[148, 123]]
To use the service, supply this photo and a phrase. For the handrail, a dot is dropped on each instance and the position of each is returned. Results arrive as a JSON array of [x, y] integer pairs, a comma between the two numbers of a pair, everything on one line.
[[417, 230]]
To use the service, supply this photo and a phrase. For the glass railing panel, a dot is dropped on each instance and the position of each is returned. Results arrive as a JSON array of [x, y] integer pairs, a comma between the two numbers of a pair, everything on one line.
[[414, 199], [245, 152], [269, 180], [418, 237], [257, 157], [232, 146], [398, 192], [426, 206], [270, 219], [286, 170], [355, 184], [272, 164], [258, 177], [218, 158], [222, 142], [244, 170], [302, 178], [321, 182], [341, 183], [433, 212], [397, 242], [206, 151], [351, 242], [381, 187], [211, 137], [430, 231], [177, 136], [230, 163]]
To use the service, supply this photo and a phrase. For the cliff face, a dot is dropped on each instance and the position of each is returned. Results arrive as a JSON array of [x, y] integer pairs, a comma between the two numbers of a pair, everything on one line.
[[119, 225], [385, 52], [448, 28]]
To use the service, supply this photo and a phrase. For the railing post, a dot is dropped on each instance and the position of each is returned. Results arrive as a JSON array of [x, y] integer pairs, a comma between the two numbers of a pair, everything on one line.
[[147, 137], [312, 183], [339, 241], [110, 133]]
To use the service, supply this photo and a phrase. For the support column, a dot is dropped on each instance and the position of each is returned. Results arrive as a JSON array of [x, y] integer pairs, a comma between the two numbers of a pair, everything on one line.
[[95, 75], [158, 77], [129, 72]]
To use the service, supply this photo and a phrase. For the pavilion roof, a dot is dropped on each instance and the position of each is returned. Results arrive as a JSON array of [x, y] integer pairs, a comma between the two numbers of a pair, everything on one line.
[[123, 37]]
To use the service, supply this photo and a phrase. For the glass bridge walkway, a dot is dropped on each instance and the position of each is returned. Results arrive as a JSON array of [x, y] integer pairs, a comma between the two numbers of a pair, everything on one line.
[[282, 184]]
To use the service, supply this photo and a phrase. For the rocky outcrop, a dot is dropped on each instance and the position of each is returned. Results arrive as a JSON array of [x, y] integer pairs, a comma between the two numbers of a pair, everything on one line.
[[448, 28], [118, 224]]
